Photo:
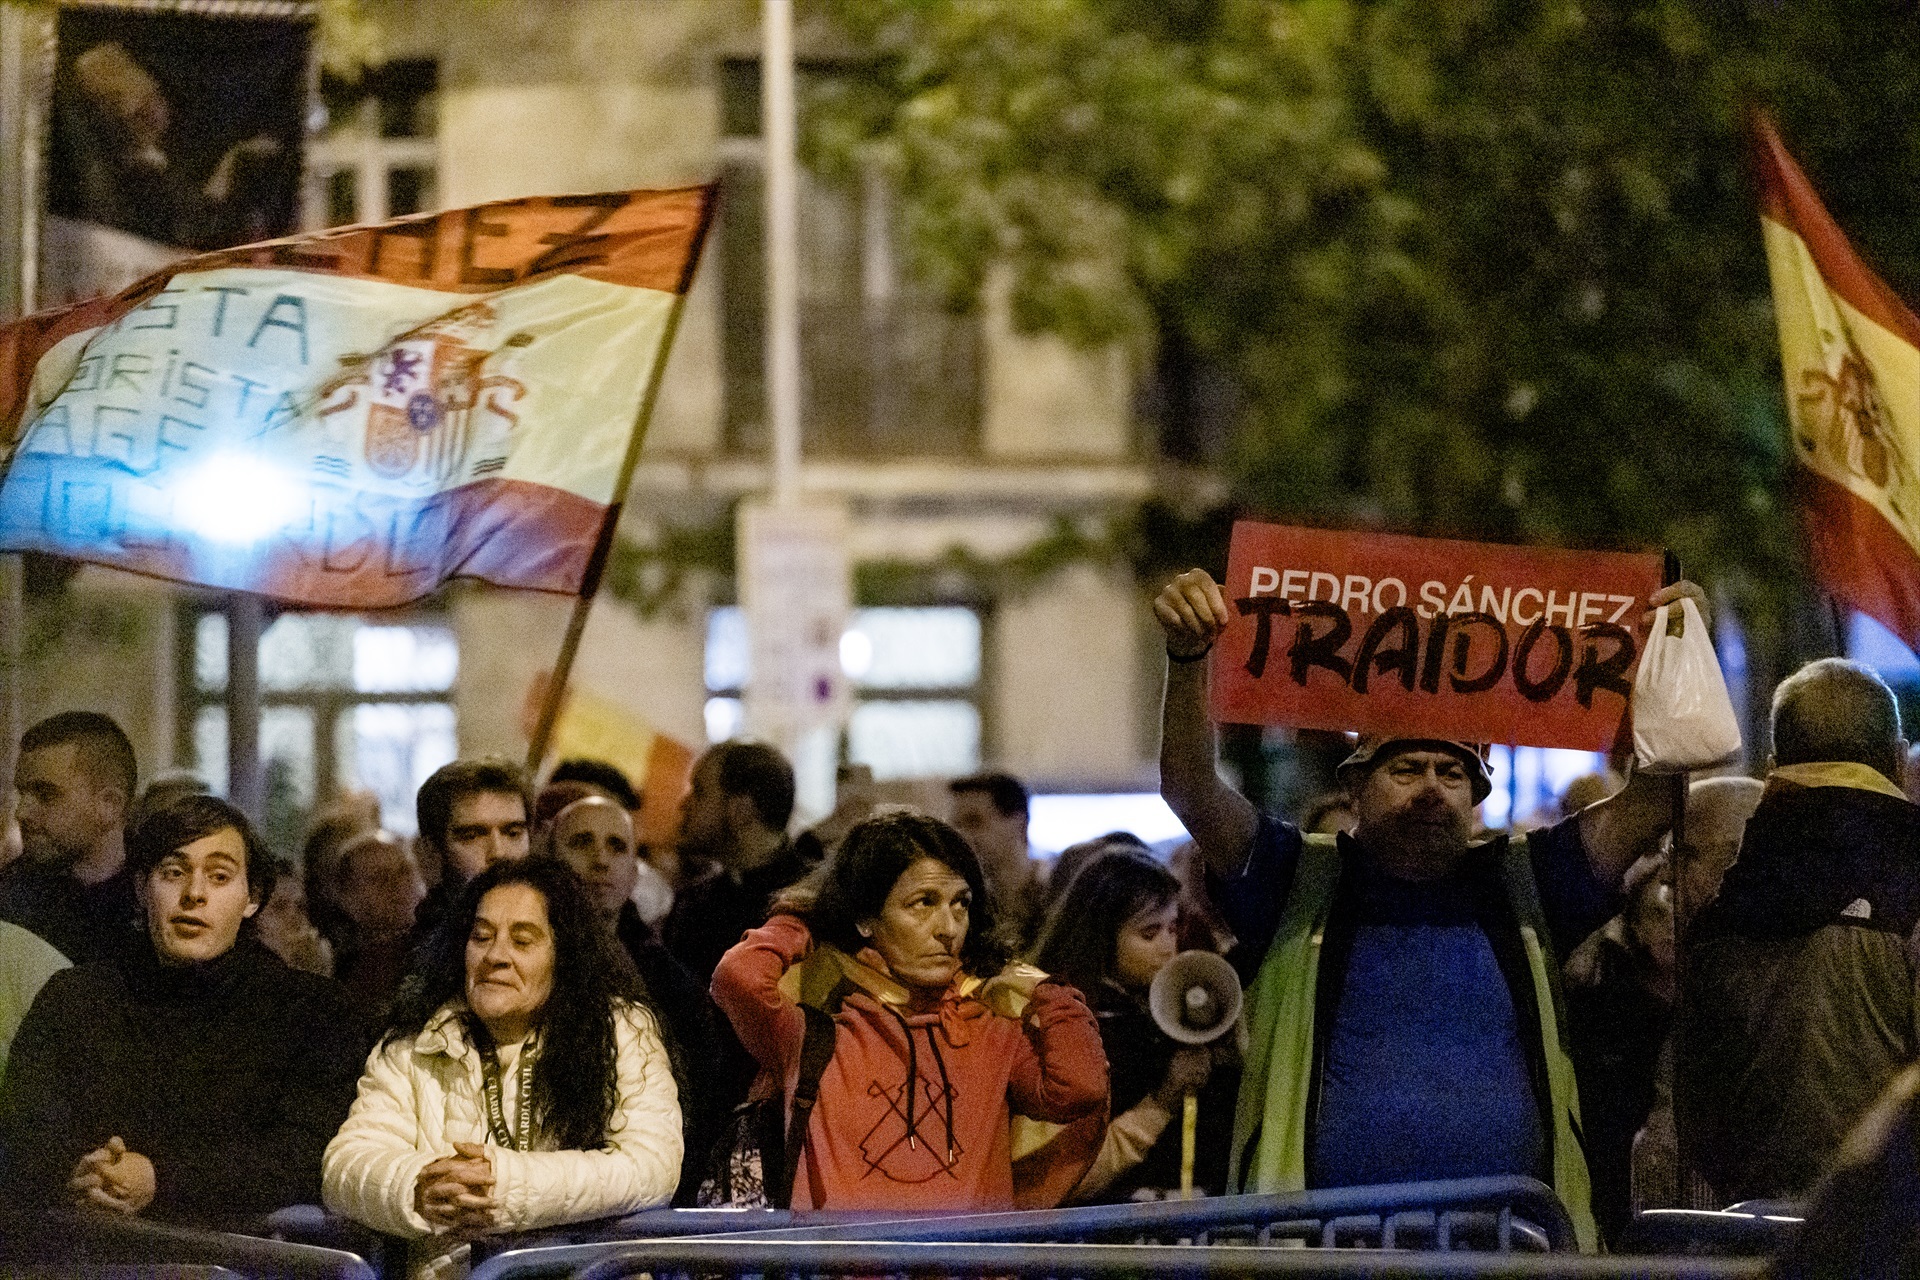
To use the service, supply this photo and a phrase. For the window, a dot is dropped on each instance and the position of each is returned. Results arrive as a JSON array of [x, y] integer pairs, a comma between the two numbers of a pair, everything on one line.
[[374, 155], [346, 704], [886, 370], [916, 677]]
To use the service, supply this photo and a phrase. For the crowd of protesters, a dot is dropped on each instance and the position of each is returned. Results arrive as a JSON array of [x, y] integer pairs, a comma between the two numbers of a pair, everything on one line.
[[523, 1016]]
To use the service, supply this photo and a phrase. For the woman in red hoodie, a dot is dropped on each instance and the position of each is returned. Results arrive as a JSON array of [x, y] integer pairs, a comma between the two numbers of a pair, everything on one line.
[[935, 1047]]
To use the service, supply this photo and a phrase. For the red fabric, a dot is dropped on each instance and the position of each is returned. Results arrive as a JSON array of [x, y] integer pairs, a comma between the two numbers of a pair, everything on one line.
[[346, 551], [860, 1153], [1790, 200], [1859, 557]]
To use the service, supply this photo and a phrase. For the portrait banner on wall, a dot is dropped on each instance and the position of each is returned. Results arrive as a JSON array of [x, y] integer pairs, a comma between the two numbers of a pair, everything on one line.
[[1430, 637], [175, 127]]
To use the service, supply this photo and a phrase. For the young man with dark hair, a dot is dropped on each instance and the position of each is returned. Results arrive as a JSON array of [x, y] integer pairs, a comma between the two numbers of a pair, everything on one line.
[[734, 825], [472, 814], [196, 1077], [76, 781], [609, 778], [990, 810]]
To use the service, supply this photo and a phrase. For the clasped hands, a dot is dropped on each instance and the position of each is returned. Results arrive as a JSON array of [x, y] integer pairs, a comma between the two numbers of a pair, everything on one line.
[[455, 1192], [112, 1177]]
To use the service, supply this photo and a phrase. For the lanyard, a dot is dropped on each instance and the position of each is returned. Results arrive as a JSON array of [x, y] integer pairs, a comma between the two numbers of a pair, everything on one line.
[[520, 1137]]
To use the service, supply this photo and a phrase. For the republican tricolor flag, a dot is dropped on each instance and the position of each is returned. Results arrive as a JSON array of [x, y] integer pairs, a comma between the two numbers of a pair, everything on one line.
[[351, 418], [1850, 351]]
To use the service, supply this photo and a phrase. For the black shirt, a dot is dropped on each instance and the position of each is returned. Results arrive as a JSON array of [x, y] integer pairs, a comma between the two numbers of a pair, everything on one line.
[[83, 921], [230, 1076], [710, 915]]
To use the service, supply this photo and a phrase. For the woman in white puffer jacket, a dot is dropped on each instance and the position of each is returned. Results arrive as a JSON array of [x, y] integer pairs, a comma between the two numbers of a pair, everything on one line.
[[522, 1081]]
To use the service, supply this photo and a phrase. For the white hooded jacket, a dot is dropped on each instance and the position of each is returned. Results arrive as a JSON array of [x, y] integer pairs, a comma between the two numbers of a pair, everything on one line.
[[420, 1096]]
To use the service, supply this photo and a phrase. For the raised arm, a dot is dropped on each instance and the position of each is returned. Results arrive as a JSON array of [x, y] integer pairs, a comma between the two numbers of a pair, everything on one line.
[[1060, 1073], [746, 987], [1193, 613]]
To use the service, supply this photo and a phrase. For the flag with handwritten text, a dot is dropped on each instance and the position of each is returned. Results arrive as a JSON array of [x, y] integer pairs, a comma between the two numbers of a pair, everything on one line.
[[1850, 357], [350, 418]]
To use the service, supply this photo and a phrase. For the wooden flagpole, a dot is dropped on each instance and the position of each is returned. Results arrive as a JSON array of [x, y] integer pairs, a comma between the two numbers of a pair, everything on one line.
[[597, 563]]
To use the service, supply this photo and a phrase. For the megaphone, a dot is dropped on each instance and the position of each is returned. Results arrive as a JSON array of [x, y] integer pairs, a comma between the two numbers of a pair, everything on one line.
[[1195, 998]]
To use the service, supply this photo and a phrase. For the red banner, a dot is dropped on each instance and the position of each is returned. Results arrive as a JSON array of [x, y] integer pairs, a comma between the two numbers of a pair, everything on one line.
[[1427, 637]]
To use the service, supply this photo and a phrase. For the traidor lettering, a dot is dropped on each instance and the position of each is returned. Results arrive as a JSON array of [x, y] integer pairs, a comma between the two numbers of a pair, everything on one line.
[[1467, 653]]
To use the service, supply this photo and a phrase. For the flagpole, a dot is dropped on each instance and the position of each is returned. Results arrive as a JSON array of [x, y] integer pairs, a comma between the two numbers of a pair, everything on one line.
[[556, 691], [1676, 867], [246, 785]]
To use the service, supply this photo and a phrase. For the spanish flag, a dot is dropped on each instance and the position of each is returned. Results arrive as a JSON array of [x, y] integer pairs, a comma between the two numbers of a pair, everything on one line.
[[350, 418], [1850, 355]]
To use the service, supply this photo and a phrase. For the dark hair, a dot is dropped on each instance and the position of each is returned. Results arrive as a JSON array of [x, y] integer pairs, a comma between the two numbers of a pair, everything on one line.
[[556, 796], [176, 823], [758, 772], [1008, 793], [1079, 942], [452, 783], [1833, 710], [852, 885], [575, 1082], [597, 773], [104, 750], [1075, 856]]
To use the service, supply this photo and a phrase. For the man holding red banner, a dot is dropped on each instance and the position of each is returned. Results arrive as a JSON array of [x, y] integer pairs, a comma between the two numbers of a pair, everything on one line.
[[1405, 1017]]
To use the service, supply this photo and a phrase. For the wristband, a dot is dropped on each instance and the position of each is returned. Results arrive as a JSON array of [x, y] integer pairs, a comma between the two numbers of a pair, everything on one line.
[[1192, 657]]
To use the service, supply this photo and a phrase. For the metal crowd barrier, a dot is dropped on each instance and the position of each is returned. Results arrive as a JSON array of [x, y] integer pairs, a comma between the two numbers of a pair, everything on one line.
[[1735, 1232], [1502, 1214], [706, 1258], [86, 1242]]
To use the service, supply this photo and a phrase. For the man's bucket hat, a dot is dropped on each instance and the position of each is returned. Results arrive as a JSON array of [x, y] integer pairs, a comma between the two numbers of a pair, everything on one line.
[[1373, 746]]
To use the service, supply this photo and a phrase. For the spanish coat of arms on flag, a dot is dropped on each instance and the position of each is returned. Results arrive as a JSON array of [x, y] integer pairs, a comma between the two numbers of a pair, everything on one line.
[[1850, 357], [350, 418]]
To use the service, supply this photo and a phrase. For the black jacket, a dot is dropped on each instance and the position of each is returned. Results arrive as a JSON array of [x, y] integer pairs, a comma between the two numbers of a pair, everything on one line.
[[231, 1077], [83, 921], [1800, 987]]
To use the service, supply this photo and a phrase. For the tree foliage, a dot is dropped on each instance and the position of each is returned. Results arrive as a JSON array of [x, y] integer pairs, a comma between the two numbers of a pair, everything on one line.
[[1485, 267]]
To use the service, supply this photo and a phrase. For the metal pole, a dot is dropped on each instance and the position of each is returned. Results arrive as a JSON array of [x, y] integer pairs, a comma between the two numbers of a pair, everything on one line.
[[246, 786], [783, 254], [26, 43]]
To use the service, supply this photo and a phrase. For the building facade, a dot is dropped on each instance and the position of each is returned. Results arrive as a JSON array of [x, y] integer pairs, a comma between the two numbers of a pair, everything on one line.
[[984, 472]]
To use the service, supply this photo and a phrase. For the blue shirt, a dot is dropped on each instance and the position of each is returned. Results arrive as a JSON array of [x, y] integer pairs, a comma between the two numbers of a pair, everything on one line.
[[1426, 1075]]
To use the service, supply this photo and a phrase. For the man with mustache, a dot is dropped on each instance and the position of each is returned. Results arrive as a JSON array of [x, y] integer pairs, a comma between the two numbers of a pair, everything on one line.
[[1407, 1022]]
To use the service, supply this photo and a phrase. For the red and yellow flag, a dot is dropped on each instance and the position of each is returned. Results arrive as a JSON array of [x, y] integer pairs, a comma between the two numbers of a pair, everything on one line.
[[1850, 355], [349, 419]]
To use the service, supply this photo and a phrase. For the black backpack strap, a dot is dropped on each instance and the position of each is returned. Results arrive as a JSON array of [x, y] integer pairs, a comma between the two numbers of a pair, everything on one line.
[[816, 1050]]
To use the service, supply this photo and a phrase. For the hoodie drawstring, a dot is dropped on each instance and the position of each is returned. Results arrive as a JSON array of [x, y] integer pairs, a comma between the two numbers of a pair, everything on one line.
[[913, 1082]]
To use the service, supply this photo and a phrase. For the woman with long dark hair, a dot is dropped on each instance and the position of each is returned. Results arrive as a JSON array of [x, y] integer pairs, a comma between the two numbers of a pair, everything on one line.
[[522, 1082], [934, 1047], [1109, 934]]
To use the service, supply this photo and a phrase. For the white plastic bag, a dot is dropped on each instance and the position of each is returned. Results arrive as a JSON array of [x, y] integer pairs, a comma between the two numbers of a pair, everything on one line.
[[1682, 717]]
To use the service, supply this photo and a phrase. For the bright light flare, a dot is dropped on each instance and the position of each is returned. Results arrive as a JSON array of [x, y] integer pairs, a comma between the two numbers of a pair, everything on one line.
[[856, 654], [235, 500]]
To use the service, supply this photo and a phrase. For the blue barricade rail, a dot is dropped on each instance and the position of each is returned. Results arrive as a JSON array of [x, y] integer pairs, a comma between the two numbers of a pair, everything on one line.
[[1734, 1232], [91, 1238], [1487, 1213], [695, 1257], [1498, 1213]]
